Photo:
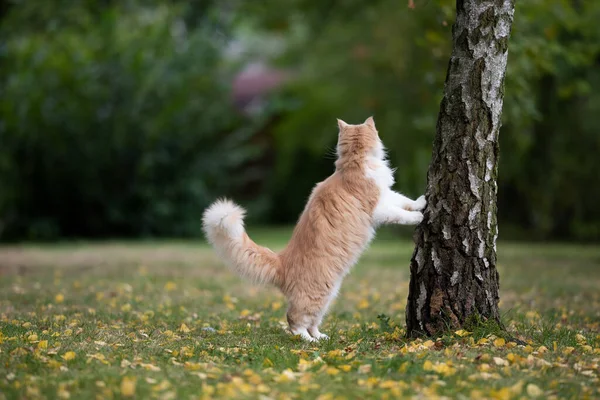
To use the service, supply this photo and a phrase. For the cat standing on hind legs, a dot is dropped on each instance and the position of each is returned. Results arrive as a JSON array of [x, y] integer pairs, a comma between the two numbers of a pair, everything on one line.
[[337, 224]]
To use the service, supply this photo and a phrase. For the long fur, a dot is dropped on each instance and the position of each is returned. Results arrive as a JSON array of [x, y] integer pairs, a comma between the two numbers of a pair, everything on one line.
[[337, 224], [223, 224]]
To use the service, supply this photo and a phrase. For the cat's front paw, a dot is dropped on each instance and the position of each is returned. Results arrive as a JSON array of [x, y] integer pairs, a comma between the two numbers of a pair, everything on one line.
[[415, 218], [420, 203]]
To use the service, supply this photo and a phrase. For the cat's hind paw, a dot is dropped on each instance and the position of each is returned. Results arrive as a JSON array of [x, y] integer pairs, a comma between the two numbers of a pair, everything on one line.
[[303, 333]]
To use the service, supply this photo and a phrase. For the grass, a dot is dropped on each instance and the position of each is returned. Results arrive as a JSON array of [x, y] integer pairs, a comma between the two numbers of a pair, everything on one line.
[[167, 320]]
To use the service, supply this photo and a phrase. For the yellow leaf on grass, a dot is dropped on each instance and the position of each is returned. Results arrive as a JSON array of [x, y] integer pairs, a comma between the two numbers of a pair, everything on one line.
[[286, 376], [517, 388], [192, 366], [59, 298], [43, 344], [267, 363], [568, 350], [534, 390], [32, 338], [462, 333], [334, 354], [170, 286], [500, 361], [500, 342], [68, 356], [332, 371], [363, 304], [276, 305], [427, 365], [183, 328], [345, 367], [580, 338], [164, 385], [128, 386]]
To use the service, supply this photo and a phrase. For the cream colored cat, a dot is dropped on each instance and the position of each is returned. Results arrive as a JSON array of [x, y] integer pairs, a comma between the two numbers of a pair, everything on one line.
[[337, 224]]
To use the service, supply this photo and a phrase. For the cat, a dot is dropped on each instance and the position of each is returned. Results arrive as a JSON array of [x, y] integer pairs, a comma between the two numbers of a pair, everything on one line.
[[336, 226]]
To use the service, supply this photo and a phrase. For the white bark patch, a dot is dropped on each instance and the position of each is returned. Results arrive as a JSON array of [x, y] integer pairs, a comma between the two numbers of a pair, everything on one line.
[[502, 29], [474, 181], [492, 76], [478, 276], [465, 243], [446, 232], [489, 167], [489, 220], [421, 303], [486, 262], [437, 263], [481, 247], [474, 213], [495, 238], [480, 139], [489, 297], [454, 278]]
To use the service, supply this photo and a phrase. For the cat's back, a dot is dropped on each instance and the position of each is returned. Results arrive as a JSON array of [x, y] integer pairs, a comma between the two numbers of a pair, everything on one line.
[[336, 222]]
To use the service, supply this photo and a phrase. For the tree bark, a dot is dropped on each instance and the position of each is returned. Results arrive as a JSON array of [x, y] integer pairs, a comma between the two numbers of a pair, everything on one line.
[[453, 268]]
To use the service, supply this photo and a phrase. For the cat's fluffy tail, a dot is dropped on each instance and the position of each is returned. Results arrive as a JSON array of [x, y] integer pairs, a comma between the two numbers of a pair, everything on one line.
[[223, 224]]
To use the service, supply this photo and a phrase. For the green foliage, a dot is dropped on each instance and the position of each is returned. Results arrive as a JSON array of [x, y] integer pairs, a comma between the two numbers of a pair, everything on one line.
[[116, 125], [387, 60], [115, 117]]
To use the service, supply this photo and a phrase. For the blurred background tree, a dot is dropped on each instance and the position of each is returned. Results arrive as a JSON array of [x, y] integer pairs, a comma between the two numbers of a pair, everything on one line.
[[128, 118]]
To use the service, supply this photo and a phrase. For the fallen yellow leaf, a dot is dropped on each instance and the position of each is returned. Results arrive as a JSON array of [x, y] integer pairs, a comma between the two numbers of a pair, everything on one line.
[[363, 304], [534, 390], [267, 363], [128, 386]]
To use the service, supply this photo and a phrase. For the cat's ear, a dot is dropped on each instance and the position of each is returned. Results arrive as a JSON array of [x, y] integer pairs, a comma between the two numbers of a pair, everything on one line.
[[370, 122], [341, 124]]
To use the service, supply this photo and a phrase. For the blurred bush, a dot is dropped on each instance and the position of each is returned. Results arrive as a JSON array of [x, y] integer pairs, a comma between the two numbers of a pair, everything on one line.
[[116, 121], [116, 118], [387, 60]]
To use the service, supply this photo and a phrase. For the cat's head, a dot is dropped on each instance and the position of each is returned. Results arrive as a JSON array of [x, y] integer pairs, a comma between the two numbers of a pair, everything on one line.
[[359, 140]]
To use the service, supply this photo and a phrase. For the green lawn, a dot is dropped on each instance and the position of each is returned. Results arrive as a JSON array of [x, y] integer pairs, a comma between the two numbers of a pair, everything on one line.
[[167, 320]]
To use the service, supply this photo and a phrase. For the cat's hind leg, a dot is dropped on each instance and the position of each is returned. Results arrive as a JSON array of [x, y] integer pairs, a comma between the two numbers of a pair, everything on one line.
[[299, 321], [306, 312], [314, 328]]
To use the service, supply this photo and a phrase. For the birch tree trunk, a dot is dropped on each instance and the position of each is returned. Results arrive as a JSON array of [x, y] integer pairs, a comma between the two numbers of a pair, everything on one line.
[[453, 268]]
